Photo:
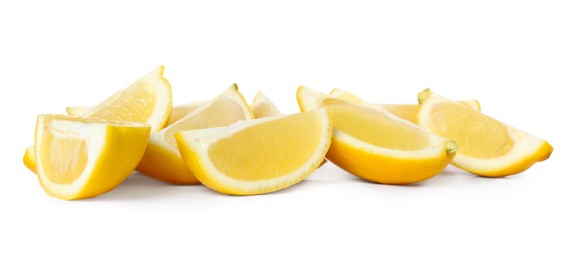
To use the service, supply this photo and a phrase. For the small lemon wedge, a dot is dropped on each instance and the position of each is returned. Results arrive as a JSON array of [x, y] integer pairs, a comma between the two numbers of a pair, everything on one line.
[[488, 147], [81, 157]]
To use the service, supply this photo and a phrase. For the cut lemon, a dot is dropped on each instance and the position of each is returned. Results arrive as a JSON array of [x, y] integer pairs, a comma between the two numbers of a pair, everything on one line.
[[373, 144], [487, 147], [406, 111], [257, 156], [263, 107], [162, 159], [148, 100], [29, 159], [81, 157]]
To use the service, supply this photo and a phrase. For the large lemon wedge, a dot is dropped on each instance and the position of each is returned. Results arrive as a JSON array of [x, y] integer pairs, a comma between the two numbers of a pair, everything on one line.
[[80, 157], [147, 100], [488, 147], [373, 144], [258, 156]]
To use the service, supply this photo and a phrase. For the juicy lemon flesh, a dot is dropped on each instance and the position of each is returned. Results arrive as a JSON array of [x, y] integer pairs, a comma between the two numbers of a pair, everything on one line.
[[405, 111], [273, 144], [477, 135], [65, 156], [222, 112], [135, 104], [376, 128]]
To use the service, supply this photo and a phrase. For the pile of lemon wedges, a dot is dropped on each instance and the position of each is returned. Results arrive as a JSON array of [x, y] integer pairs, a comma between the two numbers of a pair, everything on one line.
[[236, 148]]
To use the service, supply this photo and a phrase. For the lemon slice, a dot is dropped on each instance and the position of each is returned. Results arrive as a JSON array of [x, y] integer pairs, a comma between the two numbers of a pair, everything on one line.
[[162, 160], [406, 111], [263, 107], [81, 157], [487, 147], [373, 144], [257, 156]]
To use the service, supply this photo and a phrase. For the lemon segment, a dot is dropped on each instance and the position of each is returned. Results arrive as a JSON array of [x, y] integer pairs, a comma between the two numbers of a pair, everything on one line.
[[162, 159], [258, 156], [263, 107], [80, 157], [376, 145], [488, 147]]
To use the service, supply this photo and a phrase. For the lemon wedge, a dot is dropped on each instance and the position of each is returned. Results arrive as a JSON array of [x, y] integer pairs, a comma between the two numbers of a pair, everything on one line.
[[488, 147], [375, 145], [257, 156], [162, 160], [80, 157], [262, 106], [148, 100]]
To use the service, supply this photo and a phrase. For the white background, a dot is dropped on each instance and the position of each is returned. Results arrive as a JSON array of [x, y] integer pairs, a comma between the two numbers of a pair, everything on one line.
[[518, 58]]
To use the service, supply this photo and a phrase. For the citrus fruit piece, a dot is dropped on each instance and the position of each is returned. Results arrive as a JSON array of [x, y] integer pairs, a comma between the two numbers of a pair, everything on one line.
[[82, 157], [257, 156], [162, 159], [29, 159], [263, 107], [406, 111], [488, 147], [375, 145], [147, 100]]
